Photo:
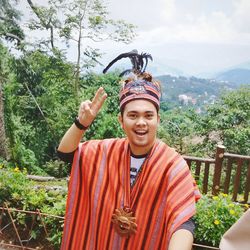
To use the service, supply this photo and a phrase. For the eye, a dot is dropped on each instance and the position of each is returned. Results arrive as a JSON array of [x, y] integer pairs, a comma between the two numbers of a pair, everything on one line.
[[132, 116], [150, 116]]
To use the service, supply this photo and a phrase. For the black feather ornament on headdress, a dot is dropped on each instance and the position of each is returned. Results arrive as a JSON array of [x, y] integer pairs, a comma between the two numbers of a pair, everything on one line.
[[139, 62]]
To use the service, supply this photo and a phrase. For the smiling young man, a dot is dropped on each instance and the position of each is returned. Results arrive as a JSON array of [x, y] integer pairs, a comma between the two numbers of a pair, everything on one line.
[[139, 121], [129, 193]]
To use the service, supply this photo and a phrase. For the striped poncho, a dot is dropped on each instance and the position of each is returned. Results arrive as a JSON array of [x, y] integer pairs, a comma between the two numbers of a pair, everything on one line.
[[162, 198]]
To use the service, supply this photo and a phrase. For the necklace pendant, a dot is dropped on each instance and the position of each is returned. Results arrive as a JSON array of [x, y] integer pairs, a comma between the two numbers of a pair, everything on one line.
[[124, 221]]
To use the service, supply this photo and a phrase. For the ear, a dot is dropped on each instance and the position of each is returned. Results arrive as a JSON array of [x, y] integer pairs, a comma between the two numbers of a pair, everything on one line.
[[120, 120], [158, 118]]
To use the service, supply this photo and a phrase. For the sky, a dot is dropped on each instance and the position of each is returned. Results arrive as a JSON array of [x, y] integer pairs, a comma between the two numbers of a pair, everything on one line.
[[187, 37]]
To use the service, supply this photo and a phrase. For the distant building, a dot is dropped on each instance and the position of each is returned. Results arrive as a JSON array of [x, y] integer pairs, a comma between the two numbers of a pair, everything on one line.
[[184, 99], [212, 99], [198, 110], [194, 101]]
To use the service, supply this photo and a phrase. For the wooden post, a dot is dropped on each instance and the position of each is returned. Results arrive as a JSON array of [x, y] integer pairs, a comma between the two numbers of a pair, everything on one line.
[[14, 225], [237, 179], [228, 175], [206, 176], [247, 188], [220, 150], [197, 170]]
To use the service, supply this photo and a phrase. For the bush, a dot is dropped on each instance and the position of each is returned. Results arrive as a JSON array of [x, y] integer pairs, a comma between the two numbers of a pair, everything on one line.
[[57, 168], [215, 215], [17, 191]]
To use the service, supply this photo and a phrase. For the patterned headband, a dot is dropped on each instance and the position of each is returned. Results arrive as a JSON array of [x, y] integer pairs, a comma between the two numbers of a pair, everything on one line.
[[140, 89]]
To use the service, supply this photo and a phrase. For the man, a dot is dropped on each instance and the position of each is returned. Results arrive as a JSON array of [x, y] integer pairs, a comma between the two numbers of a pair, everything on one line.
[[129, 193]]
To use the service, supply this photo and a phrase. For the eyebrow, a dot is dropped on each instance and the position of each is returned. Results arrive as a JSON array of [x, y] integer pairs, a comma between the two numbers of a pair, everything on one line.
[[134, 111]]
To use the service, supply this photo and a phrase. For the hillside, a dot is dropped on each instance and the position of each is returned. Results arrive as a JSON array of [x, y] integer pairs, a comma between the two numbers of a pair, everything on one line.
[[238, 76], [192, 91]]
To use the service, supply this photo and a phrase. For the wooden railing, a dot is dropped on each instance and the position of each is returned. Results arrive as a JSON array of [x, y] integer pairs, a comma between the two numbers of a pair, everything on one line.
[[201, 165], [227, 173]]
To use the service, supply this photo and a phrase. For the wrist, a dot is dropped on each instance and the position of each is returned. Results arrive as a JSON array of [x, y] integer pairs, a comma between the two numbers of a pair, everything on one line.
[[79, 125]]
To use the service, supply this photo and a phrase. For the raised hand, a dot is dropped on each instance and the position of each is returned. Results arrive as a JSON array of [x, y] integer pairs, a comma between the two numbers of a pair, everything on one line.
[[89, 109]]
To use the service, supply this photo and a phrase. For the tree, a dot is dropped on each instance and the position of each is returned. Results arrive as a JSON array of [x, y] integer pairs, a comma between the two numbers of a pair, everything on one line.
[[40, 106], [4, 75], [10, 30], [176, 126], [39, 99], [39, 103], [227, 122], [83, 23], [106, 124]]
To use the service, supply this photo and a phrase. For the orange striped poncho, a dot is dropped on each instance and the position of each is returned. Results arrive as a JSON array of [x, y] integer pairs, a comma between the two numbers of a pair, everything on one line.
[[162, 198]]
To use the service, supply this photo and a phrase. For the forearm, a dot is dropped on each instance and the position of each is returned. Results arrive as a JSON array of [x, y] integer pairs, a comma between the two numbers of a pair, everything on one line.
[[86, 115], [181, 239], [71, 139]]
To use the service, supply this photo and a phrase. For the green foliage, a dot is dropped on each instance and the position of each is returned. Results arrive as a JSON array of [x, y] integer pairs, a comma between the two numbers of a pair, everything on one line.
[[20, 193], [106, 124], [10, 29], [4, 76], [12, 190], [40, 106], [229, 119], [17, 190], [214, 216], [176, 125], [56, 168]]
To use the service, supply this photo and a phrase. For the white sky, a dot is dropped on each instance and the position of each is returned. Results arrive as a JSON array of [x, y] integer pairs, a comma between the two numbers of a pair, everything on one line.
[[193, 36]]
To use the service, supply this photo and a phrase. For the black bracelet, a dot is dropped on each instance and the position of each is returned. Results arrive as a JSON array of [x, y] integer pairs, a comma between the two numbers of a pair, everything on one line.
[[79, 125]]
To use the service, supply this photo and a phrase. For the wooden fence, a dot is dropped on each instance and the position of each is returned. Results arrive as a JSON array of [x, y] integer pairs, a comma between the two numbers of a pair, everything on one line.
[[227, 173], [15, 236]]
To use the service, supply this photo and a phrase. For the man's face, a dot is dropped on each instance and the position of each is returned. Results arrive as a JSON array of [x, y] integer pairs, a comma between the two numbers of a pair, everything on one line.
[[140, 121]]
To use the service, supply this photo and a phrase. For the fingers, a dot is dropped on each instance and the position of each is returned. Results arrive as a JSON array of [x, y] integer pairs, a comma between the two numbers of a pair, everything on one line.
[[84, 107], [99, 99], [88, 110]]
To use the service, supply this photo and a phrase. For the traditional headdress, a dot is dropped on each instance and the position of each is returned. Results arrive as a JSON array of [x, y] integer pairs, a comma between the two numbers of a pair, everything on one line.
[[139, 84]]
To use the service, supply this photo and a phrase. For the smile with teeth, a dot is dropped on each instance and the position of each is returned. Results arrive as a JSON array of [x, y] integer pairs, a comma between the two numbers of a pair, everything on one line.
[[141, 132]]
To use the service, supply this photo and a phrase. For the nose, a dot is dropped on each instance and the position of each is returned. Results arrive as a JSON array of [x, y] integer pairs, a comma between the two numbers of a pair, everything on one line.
[[141, 121]]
